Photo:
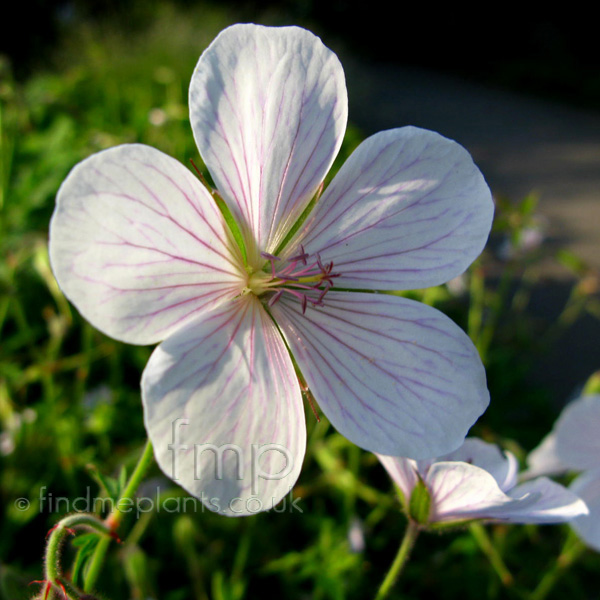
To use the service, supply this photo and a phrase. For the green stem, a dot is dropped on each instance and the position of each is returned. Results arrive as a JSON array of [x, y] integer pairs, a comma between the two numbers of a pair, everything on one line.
[[53, 574], [134, 482], [410, 537], [115, 518], [571, 551], [485, 544]]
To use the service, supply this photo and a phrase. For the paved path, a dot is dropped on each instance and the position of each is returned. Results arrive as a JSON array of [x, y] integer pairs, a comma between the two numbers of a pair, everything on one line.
[[520, 143]]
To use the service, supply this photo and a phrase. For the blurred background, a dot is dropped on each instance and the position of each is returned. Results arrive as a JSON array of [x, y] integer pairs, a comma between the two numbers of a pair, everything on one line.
[[521, 91]]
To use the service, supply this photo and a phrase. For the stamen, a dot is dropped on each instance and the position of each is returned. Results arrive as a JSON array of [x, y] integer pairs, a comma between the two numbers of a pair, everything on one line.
[[306, 281], [269, 256], [275, 298], [302, 256]]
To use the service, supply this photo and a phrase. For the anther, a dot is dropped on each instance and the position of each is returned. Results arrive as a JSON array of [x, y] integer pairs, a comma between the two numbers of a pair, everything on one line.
[[299, 278]]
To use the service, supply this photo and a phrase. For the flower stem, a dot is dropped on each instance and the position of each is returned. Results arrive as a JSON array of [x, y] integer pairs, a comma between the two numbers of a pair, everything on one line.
[[65, 527], [485, 544], [115, 518], [571, 551], [410, 537]]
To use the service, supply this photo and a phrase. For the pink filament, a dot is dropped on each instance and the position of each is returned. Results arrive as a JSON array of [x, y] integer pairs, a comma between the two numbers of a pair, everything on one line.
[[297, 267]]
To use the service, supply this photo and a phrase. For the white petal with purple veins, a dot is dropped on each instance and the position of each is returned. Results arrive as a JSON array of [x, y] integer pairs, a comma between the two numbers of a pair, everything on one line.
[[407, 210], [268, 108], [403, 472], [552, 503], [587, 487], [464, 491], [138, 245], [223, 409], [503, 466], [394, 376], [577, 433]]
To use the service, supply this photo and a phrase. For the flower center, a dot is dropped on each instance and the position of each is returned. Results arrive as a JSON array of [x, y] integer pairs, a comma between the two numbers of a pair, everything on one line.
[[307, 280]]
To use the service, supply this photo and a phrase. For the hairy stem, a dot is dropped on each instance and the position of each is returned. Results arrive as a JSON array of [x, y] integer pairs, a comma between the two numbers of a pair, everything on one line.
[[53, 573]]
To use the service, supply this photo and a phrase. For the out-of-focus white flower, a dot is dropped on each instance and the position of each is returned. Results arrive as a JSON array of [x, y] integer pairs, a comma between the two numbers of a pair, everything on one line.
[[157, 117], [356, 536], [29, 415], [478, 482], [7, 443], [458, 286], [574, 444], [544, 460]]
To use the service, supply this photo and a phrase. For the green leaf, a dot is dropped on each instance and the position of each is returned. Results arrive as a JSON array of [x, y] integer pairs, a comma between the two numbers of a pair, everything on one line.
[[110, 485], [529, 204], [138, 573], [83, 539], [86, 544], [571, 261]]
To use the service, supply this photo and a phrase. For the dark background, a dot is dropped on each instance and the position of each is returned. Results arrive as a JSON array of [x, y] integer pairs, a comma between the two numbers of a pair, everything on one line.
[[548, 53]]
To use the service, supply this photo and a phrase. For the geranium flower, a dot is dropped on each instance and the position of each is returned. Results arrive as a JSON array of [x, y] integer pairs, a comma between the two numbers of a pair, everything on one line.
[[574, 445], [142, 249], [478, 482]]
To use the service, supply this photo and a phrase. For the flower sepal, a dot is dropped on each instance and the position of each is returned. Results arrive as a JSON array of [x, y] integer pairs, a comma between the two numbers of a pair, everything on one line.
[[419, 506]]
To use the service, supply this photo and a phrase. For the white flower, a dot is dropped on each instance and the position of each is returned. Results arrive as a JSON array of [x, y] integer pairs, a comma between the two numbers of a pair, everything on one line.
[[478, 481], [146, 254], [574, 444]]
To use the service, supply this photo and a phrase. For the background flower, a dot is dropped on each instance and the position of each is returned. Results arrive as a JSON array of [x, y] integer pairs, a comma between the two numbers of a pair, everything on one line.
[[574, 445], [478, 481]]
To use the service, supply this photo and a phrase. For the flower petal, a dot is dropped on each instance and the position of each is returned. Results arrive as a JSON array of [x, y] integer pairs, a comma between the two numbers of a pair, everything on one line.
[[408, 210], [544, 460], [577, 440], [138, 245], [503, 466], [553, 502], [464, 491], [224, 412], [403, 472], [394, 376], [587, 487], [268, 107]]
